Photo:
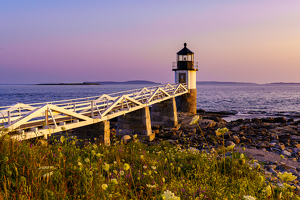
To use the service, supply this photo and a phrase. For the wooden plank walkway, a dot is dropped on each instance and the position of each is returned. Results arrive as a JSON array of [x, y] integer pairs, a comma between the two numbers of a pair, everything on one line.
[[25, 121]]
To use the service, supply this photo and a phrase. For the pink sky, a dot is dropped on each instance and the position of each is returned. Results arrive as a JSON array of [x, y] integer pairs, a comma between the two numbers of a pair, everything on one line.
[[77, 41]]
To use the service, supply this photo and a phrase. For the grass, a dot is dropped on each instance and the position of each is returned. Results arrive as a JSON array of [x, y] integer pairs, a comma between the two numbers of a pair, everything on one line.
[[64, 170]]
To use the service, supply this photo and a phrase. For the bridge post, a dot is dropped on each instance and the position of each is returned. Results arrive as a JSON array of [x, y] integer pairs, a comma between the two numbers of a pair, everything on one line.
[[137, 122], [164, 113], [105, 129]]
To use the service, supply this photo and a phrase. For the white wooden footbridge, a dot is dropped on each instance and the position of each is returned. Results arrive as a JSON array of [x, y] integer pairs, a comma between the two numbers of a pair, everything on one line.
[[25, 121]]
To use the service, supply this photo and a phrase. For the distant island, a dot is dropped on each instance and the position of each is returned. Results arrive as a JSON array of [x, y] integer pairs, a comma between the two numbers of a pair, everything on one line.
[[223, 83], [84, 83], [125, 82], [104, 83], [282, 83]]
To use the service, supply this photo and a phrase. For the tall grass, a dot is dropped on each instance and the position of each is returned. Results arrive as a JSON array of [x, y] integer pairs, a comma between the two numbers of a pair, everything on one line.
[[64, 170]]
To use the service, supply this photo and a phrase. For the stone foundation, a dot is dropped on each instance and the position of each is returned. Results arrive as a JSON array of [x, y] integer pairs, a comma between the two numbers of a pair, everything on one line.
[[164, 113], [188, 102], [99, 130], [137, 122]]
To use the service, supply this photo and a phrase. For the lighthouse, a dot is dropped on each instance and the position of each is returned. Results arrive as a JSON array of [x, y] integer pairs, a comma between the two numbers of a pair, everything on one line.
[[185, 73]]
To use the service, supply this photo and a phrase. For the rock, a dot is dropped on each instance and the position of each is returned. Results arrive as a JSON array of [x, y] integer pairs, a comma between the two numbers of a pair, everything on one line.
[[270, 167], [273, 171], [263, 144], [113, 132], [280, 146], [235, 139], [156, 127], [125, 139], [295, 138], [207, 123], [200, 111], [294, 172], [274, 136], [286, 153], [229, 143], [279, 120], [174, 137], [42, 143], [296, 150]]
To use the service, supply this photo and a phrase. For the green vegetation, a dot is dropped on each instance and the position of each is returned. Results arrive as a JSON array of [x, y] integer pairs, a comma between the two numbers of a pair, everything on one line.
[[65, 170]]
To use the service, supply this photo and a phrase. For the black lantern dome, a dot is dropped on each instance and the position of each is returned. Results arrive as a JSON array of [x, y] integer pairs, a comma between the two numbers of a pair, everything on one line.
[[185, 60]]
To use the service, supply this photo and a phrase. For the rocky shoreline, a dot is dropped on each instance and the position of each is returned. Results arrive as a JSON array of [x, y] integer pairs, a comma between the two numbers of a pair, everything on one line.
[[273, 142]]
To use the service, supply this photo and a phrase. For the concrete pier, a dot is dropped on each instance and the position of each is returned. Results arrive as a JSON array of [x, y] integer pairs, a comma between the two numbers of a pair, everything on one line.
[[164, 113], [137, 122]]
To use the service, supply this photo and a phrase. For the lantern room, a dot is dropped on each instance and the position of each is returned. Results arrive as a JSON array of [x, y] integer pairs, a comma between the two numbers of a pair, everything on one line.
[[185, 68]]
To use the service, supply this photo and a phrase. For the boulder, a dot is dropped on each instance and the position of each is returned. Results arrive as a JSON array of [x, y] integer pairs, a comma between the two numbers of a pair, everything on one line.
[[125, 139], [235, 139], [286, 153]]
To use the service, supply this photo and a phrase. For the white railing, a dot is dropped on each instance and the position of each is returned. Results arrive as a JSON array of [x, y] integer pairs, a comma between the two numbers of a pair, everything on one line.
[[32, 120]]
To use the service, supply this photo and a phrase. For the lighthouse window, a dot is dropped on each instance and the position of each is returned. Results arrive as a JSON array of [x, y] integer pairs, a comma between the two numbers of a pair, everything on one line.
[[179, 57], [189, 57], [185, 57]]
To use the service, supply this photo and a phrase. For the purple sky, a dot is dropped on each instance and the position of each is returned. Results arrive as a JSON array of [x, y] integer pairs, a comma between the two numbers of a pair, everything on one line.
[[76, 41]]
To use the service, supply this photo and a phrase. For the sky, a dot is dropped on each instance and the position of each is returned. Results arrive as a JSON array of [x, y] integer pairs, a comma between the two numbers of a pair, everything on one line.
[[109, 40]]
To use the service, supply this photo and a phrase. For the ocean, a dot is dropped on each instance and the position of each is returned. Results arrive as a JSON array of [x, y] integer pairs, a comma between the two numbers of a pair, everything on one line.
[[244, 100]]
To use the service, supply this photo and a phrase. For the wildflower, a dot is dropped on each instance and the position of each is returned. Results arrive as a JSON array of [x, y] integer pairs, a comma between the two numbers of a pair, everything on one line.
[[168, 195], [135, 136], [230, 148], [286, 177], [115, 162], [153, 167], [99, 155], [244, 148], [104, 186], [261, 178], [150, 186], [62, 139], [145, 166], [126, 166], [248, 197], [242, 156], [114, 181], [47, 175], [194, 120], [268, 190], [142, 157], [59, 149], [93, 152], [221, 131], [86, 160], [105, 167], [163, 180], [115, 172], [9, 173], [121, 172], [5, 159], [47, 167], [79, 164], [281, 156]]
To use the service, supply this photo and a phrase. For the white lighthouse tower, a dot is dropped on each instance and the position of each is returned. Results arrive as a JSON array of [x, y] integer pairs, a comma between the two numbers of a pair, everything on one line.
[[185, 72]]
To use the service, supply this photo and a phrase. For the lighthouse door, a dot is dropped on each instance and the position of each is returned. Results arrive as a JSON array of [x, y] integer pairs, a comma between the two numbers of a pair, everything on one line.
[[182, 77]]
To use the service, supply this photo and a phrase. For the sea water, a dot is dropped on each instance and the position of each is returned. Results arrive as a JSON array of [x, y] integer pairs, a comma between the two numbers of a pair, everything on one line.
[[244, 100]]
